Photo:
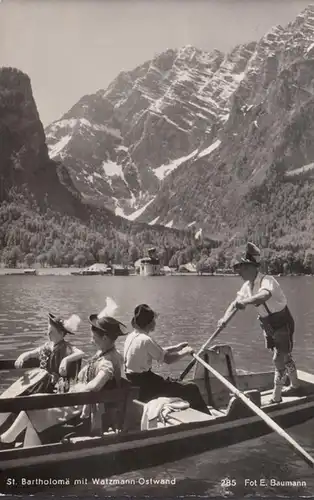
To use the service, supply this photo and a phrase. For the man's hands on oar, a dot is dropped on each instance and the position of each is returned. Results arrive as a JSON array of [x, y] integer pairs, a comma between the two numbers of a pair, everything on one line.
[[230, 312], [188, 350]]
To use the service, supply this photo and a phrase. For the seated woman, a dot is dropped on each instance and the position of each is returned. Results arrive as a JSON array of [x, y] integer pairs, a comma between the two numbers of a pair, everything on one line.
[[139, 352], [55, 357], [101, 372]]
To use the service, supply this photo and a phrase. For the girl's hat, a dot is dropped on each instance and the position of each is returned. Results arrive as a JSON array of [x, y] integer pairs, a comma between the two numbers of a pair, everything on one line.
[[252, 255], [143, 316], [108, 325], [104, 321], [69, 325]]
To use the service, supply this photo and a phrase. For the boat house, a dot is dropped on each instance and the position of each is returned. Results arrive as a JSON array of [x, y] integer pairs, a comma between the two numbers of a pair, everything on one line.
[[120, 270]]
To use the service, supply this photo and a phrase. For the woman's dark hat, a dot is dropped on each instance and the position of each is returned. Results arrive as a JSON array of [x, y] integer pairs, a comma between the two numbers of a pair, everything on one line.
[[143, 316], [66, 326], [252, 255], [107, 325]]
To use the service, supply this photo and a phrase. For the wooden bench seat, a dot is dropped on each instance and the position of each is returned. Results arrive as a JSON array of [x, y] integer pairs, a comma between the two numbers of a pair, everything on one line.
[[187, 416]]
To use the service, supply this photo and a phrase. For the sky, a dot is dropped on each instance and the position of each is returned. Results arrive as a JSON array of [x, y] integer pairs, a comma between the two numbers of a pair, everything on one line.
[[70, 48]]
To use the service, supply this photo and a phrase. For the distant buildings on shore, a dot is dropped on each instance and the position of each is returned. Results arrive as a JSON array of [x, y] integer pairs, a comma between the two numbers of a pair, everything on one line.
[[102, 269], [150, 265]]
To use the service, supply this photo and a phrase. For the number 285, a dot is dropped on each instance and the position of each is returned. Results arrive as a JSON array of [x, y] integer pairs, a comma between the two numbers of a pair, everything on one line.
[[228, 482]]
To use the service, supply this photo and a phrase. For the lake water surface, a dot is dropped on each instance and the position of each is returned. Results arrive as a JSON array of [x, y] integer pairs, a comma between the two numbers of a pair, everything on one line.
[[189, 307]]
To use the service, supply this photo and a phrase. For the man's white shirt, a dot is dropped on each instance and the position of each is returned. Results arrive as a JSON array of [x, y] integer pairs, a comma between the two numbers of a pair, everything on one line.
[[139, 352], [277, 300]]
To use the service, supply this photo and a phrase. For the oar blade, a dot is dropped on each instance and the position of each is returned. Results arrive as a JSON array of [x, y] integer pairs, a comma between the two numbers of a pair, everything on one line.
[[260, 413]]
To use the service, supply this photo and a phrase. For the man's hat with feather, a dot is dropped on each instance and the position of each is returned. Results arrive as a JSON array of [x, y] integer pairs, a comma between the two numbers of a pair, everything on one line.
[[105, 323], [252, 255], [69, 325]]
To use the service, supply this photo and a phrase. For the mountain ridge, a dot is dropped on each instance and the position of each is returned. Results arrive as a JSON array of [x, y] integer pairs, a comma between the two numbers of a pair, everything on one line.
[[145, 103], [191, 123], [269, 131], [44, 218]]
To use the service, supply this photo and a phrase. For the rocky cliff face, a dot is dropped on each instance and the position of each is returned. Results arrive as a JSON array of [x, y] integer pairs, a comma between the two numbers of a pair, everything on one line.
[[43, 218], [258, 175], [25, 163], [204, 140], [120, 143]]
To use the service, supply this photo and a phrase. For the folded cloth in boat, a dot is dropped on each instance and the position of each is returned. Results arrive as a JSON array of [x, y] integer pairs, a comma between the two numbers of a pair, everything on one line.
[[158, 409]]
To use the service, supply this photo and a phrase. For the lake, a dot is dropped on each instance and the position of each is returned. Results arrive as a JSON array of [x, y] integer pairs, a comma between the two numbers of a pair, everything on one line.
[[189, 307]]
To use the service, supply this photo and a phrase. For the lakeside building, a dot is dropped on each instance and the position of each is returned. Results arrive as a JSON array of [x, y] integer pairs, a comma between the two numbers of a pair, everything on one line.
[[150, 265]]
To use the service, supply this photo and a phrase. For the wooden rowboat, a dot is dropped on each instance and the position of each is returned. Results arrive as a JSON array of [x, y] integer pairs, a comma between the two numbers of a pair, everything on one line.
[[185, 433]]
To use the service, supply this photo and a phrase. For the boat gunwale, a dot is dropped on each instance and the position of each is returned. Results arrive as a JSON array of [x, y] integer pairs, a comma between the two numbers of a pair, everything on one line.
[[45, 401], [142, 435], [116, 448]]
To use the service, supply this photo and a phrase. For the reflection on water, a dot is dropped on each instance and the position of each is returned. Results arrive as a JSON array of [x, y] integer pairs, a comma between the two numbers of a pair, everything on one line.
[[263, 467], [189, 308], [249, 468]]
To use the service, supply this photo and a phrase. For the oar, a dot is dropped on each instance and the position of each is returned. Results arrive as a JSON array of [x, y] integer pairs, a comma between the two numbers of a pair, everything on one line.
[[269, 421], [214, 335]]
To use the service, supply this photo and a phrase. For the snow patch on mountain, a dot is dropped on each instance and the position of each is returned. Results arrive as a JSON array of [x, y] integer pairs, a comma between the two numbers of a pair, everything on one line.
[[310, 48], [171, 122], [163, 109], [225, 118], [164, 170], [238, 78], [300, 170], [73, 123], [210, 149], [137, 213], [119, 211], [170, 224], [109, 130], [70, 123], [57, 148], [112, 169], [151, 223]]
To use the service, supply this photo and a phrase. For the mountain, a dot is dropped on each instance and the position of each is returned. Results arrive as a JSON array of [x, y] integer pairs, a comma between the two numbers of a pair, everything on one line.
[[120, 143], [43, 217], [205, 140], [259, 178], [23, 151]]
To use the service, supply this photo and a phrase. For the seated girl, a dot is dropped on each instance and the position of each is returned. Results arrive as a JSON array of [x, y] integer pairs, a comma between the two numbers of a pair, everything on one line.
[[101, 372], [55, 357]]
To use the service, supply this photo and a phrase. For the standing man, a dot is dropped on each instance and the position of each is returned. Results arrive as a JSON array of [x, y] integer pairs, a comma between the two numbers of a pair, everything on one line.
[[265, 293]]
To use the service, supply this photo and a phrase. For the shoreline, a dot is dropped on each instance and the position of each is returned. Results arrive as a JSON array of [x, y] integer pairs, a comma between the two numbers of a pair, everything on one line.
[[65, 272], [71, 271]]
